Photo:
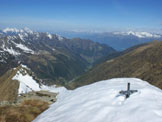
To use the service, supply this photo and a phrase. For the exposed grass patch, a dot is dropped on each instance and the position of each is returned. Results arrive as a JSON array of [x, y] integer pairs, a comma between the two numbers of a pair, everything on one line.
[[8, 87], [24, 112]]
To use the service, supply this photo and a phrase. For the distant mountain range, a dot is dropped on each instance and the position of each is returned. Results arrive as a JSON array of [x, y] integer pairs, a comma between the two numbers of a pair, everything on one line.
[[53, 58], [142, 61], [118, 40], [59, 60]]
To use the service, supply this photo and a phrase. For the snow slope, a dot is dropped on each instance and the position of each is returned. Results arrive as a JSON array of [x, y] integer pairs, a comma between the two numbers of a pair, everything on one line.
[[101, 102], [24, 48], [11, 51], [27, 83], [54, 89]]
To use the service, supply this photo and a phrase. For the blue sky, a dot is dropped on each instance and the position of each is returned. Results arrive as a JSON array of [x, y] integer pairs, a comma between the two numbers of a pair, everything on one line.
[[104, 15]]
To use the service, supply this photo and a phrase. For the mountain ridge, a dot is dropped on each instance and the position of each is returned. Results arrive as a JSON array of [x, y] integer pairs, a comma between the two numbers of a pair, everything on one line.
[[52, 57], [141, 62], [119, 40]]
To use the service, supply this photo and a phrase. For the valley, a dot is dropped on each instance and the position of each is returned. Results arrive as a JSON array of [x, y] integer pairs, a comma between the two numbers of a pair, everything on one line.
[[143, 61], [53, 58]]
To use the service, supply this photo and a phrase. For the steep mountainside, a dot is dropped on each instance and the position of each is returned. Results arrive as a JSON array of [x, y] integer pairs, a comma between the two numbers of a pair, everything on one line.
[[7, 61], [143, 62], [17, 81], [53, 58], [22, 96]]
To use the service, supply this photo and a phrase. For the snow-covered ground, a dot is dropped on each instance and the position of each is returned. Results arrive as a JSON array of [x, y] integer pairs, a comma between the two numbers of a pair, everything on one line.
[[101, 102], [28, 84], [98, 102], [54, 89]]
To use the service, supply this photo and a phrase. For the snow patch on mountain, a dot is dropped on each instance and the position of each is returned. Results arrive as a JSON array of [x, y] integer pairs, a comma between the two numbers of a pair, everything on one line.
[[11, 51], [101, 102], [60, 38], [22, 36], [13, 30], [11, 38], [49, 36], [139, 34], [3, 56], [54, 89], [24, 48], [28, 30], [27, 83], [24, 66]]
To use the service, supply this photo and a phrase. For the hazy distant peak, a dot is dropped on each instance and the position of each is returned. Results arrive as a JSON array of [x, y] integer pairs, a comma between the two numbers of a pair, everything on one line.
[[15, 30], [25, 32], [49, 35], [28, 30], [60, 38], [139, 34]]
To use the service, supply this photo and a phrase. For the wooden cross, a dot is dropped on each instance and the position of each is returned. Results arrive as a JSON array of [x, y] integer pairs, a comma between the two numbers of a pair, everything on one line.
[[128, 92]]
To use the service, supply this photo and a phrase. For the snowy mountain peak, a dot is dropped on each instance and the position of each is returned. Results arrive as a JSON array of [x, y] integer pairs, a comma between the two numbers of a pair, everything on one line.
[[60, 38], [49, 35], [25, 32], [15, 30], [19, 41], [27, 83], [141, 34], [12, 30], [28, 30], [25, 77]]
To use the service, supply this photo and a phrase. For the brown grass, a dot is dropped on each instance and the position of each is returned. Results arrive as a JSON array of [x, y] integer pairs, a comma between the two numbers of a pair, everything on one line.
[[25, 112], [141, 49], [8, 87]]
